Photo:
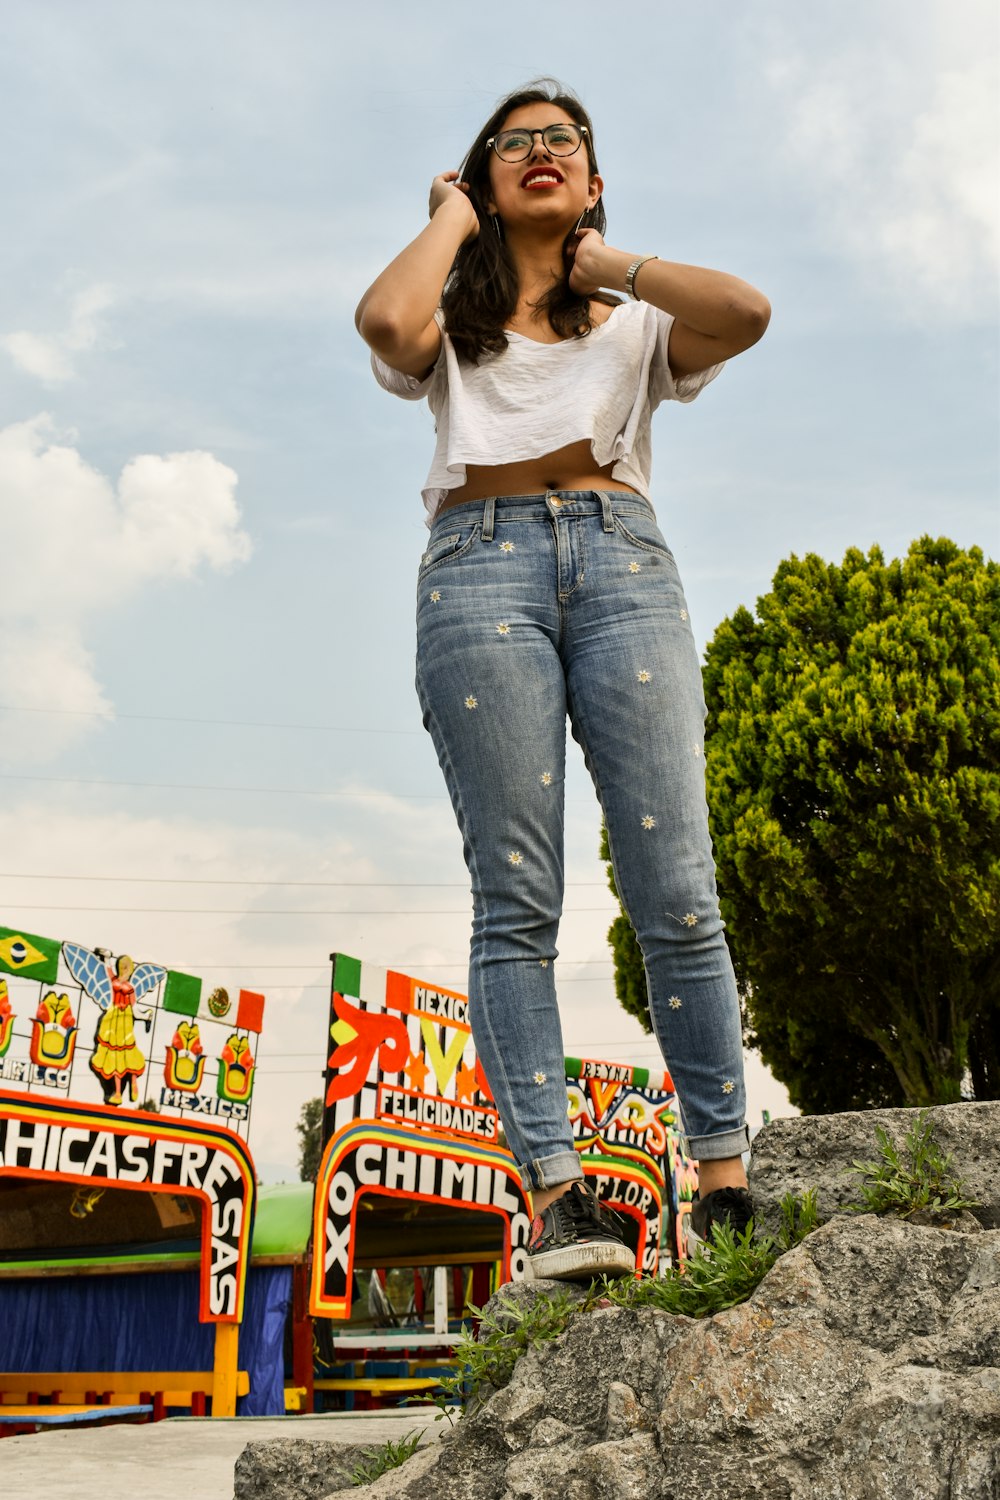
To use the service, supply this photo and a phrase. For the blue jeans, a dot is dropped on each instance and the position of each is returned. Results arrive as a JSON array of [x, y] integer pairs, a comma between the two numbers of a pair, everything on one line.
[[531, 608]]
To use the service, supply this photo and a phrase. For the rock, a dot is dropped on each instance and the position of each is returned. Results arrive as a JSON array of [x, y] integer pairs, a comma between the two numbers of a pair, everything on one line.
[[790, 1156], [866, 1366], [290, 1469]]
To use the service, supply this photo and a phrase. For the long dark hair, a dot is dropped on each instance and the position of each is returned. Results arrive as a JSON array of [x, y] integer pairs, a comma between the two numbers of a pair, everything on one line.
[[480, 296]]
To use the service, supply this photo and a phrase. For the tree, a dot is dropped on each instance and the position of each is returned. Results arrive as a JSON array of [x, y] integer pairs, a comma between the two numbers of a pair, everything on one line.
[[853, 764], [310, 1132]]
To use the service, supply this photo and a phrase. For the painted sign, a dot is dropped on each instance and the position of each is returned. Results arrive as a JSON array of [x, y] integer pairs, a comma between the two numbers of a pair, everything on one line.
[[390, 1160], [85, 1024], [408, 1113], [46, 1138]]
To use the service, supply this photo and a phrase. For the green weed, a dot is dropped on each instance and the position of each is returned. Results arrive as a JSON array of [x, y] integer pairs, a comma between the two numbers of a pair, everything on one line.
[[914, 1179], [375, 1462]]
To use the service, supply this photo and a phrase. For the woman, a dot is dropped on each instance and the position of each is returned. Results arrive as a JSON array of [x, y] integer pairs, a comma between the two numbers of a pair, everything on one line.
[[546, 590]]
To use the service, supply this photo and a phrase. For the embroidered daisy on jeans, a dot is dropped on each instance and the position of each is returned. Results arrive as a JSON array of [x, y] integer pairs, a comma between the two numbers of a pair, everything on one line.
[[648, 822], [546, 778], [471, 702], [515, 857], [540, 1078], [635, 567], [506, 546], [675, 1002], [644, 676], [436, 596], [690, 920], [728, 1086], [503, 628]]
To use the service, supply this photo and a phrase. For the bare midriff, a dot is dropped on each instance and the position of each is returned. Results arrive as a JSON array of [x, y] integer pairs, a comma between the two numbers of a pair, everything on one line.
[[569, 468]]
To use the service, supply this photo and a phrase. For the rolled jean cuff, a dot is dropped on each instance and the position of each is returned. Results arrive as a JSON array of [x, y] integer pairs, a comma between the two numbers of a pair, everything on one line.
[[717, 1147], [550, 1171]]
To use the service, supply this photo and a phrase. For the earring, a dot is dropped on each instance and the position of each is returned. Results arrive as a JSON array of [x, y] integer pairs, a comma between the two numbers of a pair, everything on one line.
[[496, 226], [580, 220]]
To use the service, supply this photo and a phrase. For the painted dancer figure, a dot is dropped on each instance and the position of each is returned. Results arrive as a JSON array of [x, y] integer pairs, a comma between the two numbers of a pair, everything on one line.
[[117, 1060], [547, 590]]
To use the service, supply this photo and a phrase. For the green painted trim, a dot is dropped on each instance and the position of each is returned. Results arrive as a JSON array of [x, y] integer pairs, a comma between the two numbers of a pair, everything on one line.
[[347, 975], [182, 994]]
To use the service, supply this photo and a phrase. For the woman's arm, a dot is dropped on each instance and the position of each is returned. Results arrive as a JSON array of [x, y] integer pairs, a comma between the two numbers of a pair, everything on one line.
[[395, 317], [716, 315]]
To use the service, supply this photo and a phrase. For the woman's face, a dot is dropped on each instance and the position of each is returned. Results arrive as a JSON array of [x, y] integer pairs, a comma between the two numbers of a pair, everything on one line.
[[543, 188]]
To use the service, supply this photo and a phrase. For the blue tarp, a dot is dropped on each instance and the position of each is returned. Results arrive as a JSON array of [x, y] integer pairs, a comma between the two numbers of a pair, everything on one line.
[[146, 1321]]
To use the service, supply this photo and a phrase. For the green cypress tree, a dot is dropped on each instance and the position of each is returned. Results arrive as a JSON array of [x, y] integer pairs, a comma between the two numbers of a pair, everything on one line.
[[853, 764]]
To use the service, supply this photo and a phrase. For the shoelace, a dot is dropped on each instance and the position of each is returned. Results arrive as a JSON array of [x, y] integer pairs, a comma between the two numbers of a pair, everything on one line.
[[574, 1209]]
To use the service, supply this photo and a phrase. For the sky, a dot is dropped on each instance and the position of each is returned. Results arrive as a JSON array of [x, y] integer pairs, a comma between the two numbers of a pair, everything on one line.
[[210, 748]]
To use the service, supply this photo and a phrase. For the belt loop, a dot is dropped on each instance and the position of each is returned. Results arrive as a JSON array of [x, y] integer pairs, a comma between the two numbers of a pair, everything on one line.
[[606, 511], [489, 513]]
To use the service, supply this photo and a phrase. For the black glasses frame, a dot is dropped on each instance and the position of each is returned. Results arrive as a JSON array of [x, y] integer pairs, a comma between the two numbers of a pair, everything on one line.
[[582, 131]]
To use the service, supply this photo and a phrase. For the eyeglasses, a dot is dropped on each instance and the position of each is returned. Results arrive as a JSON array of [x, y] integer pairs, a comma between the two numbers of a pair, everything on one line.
[[558, 140]]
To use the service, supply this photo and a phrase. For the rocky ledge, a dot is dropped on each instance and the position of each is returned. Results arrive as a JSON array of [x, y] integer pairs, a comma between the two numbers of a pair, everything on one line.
[[866, 1366]]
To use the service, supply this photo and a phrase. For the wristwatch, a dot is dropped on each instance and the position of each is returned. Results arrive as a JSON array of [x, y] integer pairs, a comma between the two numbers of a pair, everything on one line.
[[631, 273]]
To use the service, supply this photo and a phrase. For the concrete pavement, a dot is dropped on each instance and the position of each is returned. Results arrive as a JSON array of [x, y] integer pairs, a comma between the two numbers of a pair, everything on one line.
[[183, 1458]]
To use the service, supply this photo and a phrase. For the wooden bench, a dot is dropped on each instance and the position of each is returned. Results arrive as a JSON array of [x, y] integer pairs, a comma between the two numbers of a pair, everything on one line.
[[22, 1419], [157, 1389]]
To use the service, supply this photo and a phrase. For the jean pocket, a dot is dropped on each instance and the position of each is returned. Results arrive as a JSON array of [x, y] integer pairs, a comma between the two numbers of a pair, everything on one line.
[[448, 546], [643, 532]]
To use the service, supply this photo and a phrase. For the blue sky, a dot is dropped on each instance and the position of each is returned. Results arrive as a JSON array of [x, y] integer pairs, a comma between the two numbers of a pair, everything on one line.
[[212, 514]]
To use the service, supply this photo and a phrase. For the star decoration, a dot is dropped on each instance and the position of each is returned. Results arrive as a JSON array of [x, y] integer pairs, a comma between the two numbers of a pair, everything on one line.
[[515, 857], [644, 676], [690, 920], [635, 567], [648, 822], [465, 1084], [506, 546], [503, 629], [436, 596], [416, 1070], [471, 702], [540, 1078], [728, 1086], [546, 778], [675, 1002]]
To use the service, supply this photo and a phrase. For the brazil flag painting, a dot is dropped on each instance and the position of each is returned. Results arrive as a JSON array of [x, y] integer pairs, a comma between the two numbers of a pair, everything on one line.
[[23, 953]]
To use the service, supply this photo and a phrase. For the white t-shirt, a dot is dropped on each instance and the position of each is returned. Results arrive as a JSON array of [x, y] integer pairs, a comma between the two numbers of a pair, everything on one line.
[[534, 398]]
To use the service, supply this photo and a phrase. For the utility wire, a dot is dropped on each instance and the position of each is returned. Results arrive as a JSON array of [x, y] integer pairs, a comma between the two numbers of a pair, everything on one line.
[[192, 786], [86, 713], [457, 885]]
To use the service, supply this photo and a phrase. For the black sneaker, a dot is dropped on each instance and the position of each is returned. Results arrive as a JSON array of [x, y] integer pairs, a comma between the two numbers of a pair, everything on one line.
[[575, 1239], [732, 1206]]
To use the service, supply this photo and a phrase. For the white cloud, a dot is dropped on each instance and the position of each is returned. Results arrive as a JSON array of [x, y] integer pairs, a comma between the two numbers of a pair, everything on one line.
[[84, 548], [897, 148], [48, 357]]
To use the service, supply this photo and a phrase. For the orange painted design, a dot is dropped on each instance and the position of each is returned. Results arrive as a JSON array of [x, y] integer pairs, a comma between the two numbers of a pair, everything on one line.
[[398, 991], [602, 1091], [416, 1070], [465, 1083], [482, 1083], [374, 1032]]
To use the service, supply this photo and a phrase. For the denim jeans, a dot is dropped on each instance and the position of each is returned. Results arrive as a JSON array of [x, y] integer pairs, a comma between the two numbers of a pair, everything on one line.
[[532, 608]]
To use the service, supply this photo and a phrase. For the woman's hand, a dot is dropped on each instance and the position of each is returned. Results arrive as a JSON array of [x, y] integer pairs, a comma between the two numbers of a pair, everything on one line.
[[453, 196], [588, 265]]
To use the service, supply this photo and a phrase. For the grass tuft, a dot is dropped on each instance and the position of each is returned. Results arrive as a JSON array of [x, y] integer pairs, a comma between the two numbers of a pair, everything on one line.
[[375, 1462], [909, 1180]]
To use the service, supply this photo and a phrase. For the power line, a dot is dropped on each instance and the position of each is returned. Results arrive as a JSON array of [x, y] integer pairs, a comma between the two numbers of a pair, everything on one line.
[[277, 911], [456, 885], [191, 786], [86, 713]]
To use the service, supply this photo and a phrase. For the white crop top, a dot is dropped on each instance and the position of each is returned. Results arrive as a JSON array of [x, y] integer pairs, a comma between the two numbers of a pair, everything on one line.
[[535, 398]]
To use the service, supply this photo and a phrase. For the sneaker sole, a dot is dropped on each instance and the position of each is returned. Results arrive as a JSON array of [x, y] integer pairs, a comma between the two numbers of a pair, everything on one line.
[[581, 1262]]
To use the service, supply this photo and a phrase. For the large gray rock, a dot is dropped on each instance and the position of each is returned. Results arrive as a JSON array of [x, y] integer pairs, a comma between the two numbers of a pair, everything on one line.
[[790, 1156], [290, 1469], [866, 1366]]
